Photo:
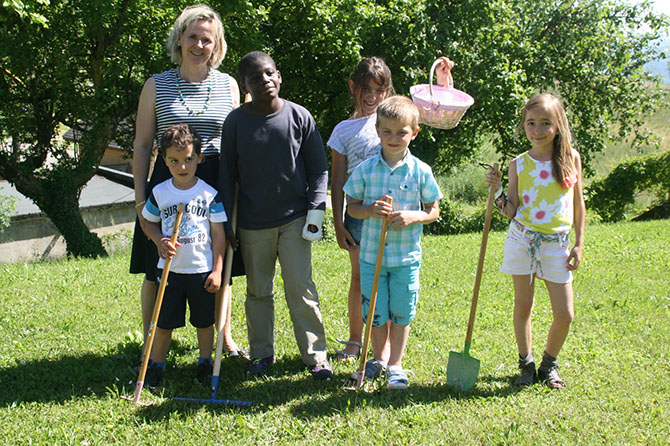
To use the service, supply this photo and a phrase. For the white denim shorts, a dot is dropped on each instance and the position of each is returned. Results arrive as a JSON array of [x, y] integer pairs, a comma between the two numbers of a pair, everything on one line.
[[529, 252]]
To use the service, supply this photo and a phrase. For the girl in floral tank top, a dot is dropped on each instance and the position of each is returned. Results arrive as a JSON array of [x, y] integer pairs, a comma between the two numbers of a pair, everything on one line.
[[545, 201]]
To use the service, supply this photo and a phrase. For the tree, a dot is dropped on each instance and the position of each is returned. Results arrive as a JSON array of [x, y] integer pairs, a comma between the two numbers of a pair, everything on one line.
[[83, 70], [591, 52], [26, 10]]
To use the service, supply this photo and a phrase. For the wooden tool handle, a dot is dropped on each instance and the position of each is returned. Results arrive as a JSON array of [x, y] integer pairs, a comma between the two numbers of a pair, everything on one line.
[[159, 301], [480, 263]]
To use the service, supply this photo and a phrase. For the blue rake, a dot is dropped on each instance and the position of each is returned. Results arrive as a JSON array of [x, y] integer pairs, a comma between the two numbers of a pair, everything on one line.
[[223, 308]]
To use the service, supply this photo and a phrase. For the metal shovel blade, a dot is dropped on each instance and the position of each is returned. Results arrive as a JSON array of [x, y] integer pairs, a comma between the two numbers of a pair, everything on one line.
[[462, 369]]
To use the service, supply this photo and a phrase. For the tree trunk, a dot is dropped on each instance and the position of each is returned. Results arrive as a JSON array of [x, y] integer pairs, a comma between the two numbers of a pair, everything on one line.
[[62, 208]]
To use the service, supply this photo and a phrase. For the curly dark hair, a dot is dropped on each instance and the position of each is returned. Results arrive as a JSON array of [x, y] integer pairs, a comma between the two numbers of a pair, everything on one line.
[[180, 136]]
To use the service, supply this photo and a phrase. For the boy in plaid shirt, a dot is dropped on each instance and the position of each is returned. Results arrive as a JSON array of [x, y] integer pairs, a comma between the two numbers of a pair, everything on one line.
[[395, 173]]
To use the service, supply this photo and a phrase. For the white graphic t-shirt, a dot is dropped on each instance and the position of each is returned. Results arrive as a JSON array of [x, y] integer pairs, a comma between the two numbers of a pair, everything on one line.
[[202, 205]]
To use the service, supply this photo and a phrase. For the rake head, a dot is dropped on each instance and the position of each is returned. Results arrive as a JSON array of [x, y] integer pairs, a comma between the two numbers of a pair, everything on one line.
[[136, 398], [356, 380]]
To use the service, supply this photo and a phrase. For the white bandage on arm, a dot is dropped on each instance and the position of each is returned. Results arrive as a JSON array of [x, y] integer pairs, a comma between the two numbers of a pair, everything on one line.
[[314, 217]]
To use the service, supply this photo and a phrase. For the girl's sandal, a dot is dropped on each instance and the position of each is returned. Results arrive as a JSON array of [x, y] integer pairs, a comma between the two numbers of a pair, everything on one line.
[[550, 378], [348, 357], [527, 377]]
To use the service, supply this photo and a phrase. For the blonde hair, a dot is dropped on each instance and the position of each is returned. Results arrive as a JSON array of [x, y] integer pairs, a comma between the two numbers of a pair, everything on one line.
[[189, 15], [562, 162], [399, 108]]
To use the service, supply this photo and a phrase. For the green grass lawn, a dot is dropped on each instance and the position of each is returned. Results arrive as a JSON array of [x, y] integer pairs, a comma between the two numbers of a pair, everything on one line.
[[69, 332]]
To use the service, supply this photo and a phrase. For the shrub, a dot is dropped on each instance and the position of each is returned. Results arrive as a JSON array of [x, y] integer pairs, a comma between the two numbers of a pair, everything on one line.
[[7, 205], [454, 220], [611, 196]]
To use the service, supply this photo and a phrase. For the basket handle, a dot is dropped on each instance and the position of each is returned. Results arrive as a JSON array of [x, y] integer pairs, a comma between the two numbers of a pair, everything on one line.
[[450, 79]]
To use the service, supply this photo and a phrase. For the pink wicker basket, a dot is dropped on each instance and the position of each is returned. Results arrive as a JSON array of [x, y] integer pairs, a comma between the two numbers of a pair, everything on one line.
[[441, 107]]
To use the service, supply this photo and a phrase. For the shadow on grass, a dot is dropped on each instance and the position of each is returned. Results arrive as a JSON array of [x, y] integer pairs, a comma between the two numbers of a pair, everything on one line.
[[91, 375], [69, 377], [290, 382]]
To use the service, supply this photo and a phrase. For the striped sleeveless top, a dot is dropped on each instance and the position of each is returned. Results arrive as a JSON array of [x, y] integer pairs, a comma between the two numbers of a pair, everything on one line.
[[171, 110]]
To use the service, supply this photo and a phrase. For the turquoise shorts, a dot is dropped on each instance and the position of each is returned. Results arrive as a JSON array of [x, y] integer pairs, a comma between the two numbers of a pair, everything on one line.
[[397, 293]]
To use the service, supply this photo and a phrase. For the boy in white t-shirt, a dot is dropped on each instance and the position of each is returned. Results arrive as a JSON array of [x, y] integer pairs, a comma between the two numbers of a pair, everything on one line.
[[195, 271]]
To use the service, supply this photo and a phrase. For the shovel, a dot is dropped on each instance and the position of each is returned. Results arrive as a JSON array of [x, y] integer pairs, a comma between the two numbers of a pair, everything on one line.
[[357, 377], [463, 369], [157, 310]]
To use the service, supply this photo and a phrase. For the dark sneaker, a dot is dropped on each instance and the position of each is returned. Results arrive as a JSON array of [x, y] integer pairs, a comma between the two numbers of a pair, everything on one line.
[[528, 375], [550, 377], [204, 373], [137, 365], [153, 376], [260, 366], [374, 368], [321, 371]]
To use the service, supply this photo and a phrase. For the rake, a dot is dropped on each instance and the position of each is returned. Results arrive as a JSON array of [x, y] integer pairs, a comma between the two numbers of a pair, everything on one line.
[[357, 377], [223, 308], [157, 309]]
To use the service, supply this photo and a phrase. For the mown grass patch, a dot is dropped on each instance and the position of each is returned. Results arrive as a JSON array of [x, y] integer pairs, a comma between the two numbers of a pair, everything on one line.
[[70, 330]]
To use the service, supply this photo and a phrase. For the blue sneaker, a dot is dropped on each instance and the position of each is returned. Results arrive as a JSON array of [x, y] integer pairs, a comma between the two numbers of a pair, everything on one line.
[[373, 369], [396, 378], [321, 371], [260, 366]]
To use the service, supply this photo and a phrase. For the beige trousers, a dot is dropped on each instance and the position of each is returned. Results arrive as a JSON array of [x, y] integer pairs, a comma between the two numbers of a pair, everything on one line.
[[260, 250]]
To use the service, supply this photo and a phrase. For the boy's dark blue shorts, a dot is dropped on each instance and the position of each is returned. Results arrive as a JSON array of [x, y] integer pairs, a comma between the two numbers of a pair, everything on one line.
[[179, 289]]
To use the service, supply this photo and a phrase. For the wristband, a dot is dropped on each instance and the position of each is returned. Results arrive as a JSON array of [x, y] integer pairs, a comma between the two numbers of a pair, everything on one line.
[[140, 204]]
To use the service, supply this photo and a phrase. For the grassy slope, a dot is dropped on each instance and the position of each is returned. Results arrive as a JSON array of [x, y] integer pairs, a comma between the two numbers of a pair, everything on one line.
[[466, 183], [618, 151], [69, 332]]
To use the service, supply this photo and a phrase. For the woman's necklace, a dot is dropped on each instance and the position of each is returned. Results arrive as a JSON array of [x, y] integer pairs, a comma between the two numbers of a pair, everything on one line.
[[183, 100]]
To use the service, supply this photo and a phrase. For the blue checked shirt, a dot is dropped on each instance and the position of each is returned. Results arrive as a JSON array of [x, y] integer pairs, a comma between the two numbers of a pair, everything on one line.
[[410, 184]]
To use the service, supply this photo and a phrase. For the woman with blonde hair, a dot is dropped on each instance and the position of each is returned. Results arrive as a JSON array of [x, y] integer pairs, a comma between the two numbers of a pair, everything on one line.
[[193, 92]]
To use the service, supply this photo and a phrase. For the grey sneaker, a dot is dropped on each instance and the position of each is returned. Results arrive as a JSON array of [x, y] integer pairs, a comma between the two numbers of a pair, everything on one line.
[[321, 371], [396, 378]]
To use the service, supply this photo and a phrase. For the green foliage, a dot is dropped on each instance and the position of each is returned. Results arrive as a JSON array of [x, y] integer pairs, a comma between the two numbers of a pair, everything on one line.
[[26, 10], [85, 71], [591, 53], [86, 68], [611, 196], [328, 227], [7, 205], [454, 219], [464, 183]]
